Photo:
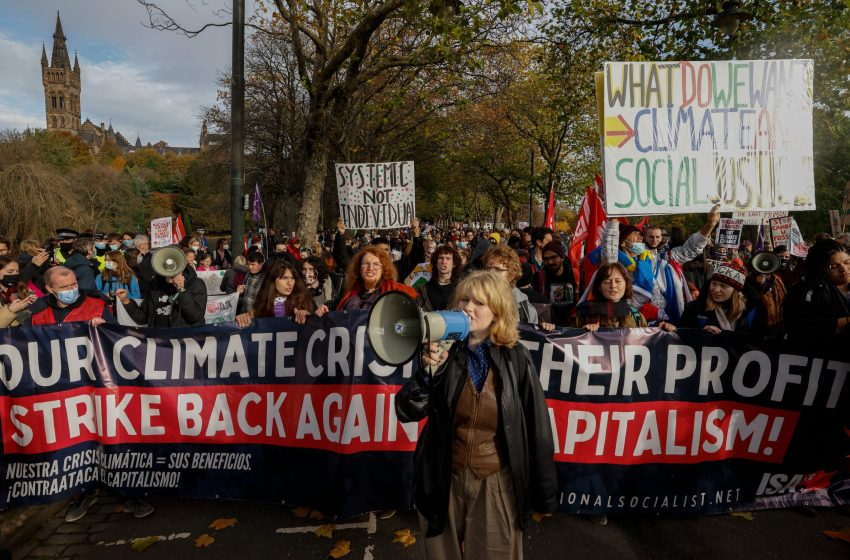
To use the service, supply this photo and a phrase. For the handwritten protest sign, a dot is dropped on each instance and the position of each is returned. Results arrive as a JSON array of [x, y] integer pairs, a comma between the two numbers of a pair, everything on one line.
[[376, 195], [682, 136], [780, 231], [212, 280], [729, 232], [757, 218], [160, 232]]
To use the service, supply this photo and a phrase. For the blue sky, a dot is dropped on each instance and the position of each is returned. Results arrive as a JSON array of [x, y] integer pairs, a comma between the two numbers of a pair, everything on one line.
[[148, 82]]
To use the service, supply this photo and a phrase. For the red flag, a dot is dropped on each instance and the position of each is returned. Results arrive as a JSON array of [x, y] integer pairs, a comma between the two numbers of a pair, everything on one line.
[[589, 228], [549, 221], [179, 231], [643, 224]]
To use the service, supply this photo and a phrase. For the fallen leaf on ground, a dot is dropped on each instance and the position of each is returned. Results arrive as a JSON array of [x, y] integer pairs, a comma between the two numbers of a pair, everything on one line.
[[301, 512], [316, 514], [748, 515], [340, 549], [220, 524], [144, 543], [326, 531], [405, 537], [204, 541], [842, 535]]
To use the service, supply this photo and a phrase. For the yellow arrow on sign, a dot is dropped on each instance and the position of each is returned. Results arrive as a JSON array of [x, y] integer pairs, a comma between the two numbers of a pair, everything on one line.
[[617, 132]]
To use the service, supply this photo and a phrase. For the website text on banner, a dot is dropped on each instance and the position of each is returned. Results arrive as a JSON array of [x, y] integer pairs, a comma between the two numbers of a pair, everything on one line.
[[376, 195], [680, 137], [643, 421]]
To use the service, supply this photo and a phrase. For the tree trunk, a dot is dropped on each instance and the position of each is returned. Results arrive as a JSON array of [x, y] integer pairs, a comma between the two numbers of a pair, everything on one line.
[[315, 168]]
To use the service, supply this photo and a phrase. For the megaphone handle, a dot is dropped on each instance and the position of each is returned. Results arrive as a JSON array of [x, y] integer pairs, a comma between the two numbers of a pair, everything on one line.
[[445, 346]]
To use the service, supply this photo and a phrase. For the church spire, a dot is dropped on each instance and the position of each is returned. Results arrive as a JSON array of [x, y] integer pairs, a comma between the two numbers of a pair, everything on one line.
[[76, 64], [60, 49], [43, 56]]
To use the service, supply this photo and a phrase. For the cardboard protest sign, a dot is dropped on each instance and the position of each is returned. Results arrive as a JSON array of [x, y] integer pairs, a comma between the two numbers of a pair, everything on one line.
[[212, 279], [683, 136], [780, 231], [729, 232], [420, 275], [376, 195], [757, 218], [160, 232]]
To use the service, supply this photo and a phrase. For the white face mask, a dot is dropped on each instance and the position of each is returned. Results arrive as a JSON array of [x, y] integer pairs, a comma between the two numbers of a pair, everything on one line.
[[226, 247]]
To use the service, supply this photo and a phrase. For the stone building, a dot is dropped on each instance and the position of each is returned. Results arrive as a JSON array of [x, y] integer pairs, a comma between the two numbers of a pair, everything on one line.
[[62, 102]]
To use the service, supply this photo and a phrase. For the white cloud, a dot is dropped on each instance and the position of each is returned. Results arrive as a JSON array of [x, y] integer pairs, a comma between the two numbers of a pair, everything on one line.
[[145, 81]]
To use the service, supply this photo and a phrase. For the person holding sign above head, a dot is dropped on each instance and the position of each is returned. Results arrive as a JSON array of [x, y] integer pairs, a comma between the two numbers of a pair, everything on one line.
[[282, 294], [485, 460], [723, 306]]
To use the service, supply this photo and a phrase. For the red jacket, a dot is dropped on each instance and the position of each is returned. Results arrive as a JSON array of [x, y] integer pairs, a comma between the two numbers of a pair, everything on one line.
[[91, 308], [386, 286]]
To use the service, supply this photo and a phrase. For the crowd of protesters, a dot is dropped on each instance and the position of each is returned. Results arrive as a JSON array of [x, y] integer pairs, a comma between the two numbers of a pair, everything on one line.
[[500, 278]]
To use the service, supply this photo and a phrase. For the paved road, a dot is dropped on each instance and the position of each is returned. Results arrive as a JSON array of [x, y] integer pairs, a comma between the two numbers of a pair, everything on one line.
[[264, 531]]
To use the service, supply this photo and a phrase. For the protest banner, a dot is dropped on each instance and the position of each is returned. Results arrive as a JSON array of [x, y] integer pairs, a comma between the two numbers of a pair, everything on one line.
[[757, 218], [780, 231], [221, 308], [420, 275], [161, 232], [643, 421], [729, 232], [682, 136], [376, 195]]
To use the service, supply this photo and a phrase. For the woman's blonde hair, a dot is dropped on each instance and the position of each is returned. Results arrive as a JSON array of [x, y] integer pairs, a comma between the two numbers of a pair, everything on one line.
[[733, 307], [490, 289]]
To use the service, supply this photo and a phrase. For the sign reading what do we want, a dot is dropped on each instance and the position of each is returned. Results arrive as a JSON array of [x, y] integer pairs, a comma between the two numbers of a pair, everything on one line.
[[680, 137], [376, 195]]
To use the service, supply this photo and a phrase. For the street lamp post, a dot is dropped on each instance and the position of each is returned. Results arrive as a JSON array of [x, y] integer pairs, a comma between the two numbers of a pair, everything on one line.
[[730, 17], [237, 125]]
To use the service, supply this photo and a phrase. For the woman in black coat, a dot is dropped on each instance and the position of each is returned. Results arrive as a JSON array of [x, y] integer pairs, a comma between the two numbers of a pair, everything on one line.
[[817, 308], [484, 461], [725, 304]]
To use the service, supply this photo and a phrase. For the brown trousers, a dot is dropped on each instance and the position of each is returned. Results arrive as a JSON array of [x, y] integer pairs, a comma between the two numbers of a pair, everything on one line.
[[482, 521]]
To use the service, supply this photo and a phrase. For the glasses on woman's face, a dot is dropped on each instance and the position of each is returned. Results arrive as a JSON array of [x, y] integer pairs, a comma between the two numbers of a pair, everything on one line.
[[497, 269], [367, 265]]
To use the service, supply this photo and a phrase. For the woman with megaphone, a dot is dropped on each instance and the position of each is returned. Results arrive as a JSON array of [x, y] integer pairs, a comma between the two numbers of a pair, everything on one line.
[[484, 461]]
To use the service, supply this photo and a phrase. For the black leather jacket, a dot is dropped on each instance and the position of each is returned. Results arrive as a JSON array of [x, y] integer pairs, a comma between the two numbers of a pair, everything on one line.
[[524, 421]]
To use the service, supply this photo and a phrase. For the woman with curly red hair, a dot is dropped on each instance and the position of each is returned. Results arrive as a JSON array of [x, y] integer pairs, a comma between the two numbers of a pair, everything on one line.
[[370, 274]]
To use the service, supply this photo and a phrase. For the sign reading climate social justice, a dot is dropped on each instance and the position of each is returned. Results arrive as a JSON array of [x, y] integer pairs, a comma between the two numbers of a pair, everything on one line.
[[376, 195], [643, 421], [680, 137]]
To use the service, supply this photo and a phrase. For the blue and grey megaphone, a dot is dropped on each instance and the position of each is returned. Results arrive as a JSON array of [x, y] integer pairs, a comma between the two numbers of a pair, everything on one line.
[[397, 327]]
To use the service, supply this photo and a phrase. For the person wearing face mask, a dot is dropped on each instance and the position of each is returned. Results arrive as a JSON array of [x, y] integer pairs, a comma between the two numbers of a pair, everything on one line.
[[67, 303], [15, 297], [113, 242], [127, 239], [100, 246], [64, 240], [789, 270], [117, 275], [223, 258]]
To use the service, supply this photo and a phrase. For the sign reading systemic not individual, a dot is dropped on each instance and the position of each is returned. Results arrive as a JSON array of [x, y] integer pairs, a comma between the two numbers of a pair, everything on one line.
[[376, 195], [682, 136]]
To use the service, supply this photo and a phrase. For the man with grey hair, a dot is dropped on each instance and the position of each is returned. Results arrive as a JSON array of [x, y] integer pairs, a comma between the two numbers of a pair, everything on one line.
[[80, 261]]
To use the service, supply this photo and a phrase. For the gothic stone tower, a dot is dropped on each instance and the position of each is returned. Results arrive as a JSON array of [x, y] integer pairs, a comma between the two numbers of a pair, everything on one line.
[[61, 85]]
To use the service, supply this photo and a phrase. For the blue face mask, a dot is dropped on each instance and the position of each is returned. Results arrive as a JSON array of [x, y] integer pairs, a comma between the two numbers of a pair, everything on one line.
[[637, 248], [68, 296], [128, 242], [114, 246], [109, 265], [100, 246]]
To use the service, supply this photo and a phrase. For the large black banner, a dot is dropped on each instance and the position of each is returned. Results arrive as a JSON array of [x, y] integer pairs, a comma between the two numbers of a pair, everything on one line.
[[643, 421]]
